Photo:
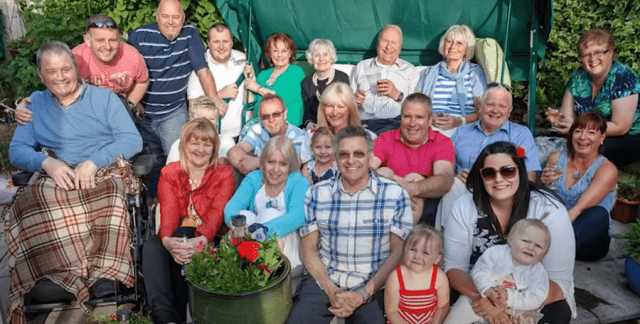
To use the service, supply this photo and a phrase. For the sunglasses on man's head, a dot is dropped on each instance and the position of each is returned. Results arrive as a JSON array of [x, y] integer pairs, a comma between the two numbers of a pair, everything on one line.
[[498, 84], [507, 172], [103, 23]]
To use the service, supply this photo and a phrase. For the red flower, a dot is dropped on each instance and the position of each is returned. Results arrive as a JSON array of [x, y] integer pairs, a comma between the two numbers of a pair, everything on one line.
[[235, 241], [211, 251], [249, 250], [200, 247], [113, 316], [520, 152], [264, 267]]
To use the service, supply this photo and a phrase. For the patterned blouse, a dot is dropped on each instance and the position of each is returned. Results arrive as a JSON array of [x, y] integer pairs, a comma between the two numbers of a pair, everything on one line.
[[621, 82]]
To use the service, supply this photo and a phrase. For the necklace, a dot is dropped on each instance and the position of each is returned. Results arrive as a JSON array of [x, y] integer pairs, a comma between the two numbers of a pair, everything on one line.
[[576, 174]]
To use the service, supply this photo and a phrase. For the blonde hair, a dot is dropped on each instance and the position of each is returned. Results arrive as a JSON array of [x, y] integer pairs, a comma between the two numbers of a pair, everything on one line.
[[525, 223], [425, 232], [201, 103], [283, 145], [204, 130], [459, 31], [321, 131], [339, 92]]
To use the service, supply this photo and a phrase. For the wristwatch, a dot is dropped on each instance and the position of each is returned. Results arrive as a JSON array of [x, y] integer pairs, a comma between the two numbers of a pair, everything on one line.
[[365, 295], [400, 97]]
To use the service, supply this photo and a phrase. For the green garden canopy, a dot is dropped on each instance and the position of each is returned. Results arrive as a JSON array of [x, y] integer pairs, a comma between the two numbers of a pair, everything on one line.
[[520, 26]]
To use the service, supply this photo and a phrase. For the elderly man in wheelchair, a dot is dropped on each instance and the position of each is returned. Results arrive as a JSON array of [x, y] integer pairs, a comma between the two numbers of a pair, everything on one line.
[[70, 225]]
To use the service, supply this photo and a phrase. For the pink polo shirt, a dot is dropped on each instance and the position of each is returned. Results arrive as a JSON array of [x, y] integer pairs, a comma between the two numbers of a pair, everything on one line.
[[403, 159]]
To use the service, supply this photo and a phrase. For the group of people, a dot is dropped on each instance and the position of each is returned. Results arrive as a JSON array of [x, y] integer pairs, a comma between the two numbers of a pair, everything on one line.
[[380, 153]]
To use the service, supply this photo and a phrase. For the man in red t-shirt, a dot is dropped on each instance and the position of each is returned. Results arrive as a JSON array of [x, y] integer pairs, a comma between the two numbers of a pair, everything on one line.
[[417, 157], [105, 61]]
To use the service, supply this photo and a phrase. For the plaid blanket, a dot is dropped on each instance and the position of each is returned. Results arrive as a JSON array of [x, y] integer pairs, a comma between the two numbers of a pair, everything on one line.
[[72, 237]]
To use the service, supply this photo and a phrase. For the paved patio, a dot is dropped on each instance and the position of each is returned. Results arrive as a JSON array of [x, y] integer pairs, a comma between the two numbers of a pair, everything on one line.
[[602, 291]]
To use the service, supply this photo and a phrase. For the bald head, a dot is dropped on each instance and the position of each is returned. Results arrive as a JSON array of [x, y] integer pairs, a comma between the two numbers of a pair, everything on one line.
[[170, 17]]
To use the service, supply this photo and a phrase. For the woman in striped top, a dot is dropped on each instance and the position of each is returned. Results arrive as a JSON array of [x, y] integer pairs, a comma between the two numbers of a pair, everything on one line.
[[455, 84]]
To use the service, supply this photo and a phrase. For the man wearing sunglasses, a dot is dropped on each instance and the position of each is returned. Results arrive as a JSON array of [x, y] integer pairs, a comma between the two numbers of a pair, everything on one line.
[[105, 61], [417, 157], [493, 126], [245, 156], [352, 237]]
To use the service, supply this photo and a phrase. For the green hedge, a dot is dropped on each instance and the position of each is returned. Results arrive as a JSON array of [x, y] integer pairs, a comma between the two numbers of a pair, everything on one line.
[[571, 19]]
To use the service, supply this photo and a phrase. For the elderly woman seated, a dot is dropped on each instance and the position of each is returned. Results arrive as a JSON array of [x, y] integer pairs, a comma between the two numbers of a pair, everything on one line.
[[192, 194], [274, 196], [322, 55], [585, 180], [454, 85], [69, 236], [608, 86]]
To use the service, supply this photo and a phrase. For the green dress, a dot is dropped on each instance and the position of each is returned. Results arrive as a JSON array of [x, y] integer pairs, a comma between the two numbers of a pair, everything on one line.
[[287, 86]]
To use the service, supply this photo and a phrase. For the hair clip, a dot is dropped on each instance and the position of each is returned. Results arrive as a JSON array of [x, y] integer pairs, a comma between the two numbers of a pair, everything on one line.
[[520, 152]]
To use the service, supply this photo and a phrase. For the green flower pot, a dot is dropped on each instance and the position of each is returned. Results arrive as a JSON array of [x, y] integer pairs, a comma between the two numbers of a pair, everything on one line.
[[268, 305]]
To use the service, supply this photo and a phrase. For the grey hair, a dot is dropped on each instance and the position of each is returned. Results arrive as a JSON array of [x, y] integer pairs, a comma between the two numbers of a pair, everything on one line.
[[285, 146], [318, 43], [459, 31], [57, 47], [419, 98], [396, 27], [352, 131], [497, 87]]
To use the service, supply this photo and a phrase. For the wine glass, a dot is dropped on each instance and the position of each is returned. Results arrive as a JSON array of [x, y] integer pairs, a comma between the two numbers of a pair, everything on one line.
[[558, 171]]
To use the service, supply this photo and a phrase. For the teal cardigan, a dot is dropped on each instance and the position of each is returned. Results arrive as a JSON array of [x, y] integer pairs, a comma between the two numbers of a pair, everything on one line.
[[294, 193]]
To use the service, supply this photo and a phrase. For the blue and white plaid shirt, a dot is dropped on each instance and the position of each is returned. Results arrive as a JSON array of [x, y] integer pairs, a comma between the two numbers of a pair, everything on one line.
[[355, 230]]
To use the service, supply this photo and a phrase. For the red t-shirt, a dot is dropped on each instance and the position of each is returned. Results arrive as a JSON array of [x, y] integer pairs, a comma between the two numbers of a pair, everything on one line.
[[119, 76], [403, 159]]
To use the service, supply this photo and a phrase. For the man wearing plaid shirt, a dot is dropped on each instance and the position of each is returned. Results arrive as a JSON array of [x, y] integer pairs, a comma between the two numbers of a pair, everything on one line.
[[352, 238]]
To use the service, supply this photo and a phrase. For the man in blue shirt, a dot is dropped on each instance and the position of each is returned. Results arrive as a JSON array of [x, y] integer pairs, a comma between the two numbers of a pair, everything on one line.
[[172, 51]]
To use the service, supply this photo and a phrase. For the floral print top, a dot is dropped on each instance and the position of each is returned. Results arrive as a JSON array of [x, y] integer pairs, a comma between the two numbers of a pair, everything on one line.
[[485, 235], [621, 82]]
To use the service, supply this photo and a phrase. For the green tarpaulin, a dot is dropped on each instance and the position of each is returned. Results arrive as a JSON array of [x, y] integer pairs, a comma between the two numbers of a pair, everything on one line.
[[353, 25]]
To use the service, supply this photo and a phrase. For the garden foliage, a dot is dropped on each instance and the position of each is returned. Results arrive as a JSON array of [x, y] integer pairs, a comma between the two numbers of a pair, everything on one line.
[[571, 19], [65, 20]]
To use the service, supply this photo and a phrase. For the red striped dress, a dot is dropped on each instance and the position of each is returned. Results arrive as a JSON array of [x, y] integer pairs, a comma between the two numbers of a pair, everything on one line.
[[417, 306]]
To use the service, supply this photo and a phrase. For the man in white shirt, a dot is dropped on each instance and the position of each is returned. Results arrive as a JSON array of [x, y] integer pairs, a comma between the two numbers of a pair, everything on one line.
[[380, 83], [226, 65]]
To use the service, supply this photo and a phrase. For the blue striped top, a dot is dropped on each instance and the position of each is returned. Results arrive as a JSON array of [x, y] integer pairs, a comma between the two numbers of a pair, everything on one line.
[[445, 99], [170, 63]]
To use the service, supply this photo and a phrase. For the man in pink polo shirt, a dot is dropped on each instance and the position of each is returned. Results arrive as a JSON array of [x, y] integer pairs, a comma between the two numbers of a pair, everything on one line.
[[417, 157]]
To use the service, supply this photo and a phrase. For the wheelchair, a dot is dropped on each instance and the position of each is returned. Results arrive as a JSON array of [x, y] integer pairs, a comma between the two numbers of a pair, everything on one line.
[[47, 295]]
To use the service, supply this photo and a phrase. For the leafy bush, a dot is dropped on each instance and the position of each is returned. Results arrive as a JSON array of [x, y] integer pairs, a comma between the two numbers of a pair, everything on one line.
[[572, 18]]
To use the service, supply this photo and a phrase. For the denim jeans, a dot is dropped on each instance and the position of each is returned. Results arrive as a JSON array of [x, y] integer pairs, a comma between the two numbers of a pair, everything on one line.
[[158, 134]]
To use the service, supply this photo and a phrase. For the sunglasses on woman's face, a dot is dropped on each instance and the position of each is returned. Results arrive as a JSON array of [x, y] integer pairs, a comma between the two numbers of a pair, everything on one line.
[[507, 172]]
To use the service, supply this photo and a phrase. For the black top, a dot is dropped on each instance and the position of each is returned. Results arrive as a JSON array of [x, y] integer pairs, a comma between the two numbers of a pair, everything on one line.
[[311, 93]]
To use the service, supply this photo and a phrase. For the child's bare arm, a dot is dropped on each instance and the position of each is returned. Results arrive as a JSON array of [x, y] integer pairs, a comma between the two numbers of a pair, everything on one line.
[[305, 173], [442, 286], [497, 295], [391, 299]]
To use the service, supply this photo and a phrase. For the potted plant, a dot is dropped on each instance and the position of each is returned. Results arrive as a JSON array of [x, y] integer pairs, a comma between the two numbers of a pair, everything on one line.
[[243, 280], [626, 207], [631, 263]]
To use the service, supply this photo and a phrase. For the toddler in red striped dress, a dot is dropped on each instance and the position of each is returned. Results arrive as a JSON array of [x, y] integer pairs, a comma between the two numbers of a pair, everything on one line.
[[417, 291]]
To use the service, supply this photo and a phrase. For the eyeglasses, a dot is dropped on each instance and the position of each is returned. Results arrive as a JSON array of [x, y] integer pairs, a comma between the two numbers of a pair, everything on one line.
[[596, 54], [356, 155], [274, 115], [507, 172], [102, 23], [498, 84]]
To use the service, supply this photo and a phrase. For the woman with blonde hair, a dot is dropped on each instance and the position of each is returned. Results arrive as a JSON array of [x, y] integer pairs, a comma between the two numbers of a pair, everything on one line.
[[337, 110], [454, 85], [192, 194]]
